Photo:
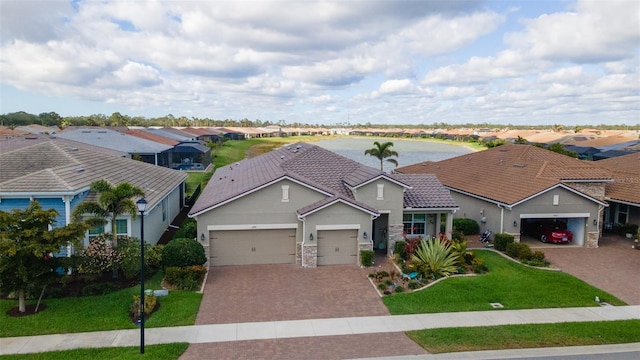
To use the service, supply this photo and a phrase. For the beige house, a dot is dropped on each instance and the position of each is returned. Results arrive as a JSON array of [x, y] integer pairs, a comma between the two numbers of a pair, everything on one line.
[[306, 205], [504, 187]]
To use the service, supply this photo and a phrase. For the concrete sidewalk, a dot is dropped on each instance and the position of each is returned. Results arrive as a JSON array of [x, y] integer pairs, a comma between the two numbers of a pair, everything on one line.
[[313, 327]]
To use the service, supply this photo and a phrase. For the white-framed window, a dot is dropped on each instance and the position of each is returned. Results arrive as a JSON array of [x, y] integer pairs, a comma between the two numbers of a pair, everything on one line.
[[380, 192], [95, 231], [414, 224], [556, 200], [122, 227], [285, 193]]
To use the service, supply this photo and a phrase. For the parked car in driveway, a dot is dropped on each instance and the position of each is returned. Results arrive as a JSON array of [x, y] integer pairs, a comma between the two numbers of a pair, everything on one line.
[[553, 231]]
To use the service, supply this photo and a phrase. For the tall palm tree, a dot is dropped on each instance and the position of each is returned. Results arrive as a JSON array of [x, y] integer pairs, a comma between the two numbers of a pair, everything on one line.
[[112, 202], [383, 152]]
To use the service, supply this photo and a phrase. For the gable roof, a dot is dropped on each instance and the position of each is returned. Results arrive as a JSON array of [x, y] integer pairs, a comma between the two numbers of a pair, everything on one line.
[[312, 166], [112, 139], [54, 167], [509, 173], [626, 178]]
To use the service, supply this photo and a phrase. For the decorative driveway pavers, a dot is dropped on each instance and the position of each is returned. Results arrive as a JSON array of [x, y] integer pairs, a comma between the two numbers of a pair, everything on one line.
[[325, 347], [614, 266], [236, 294]]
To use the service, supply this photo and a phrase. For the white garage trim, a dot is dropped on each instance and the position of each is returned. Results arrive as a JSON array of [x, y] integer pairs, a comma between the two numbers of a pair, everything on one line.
[[338, 227], [252, 227], [555, 215]]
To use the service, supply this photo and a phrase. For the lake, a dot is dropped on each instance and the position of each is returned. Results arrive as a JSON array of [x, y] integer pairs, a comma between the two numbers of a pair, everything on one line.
[[409, 151]]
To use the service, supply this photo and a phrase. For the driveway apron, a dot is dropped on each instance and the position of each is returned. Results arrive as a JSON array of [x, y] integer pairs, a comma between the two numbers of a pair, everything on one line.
[[236, 294], [614, 266]]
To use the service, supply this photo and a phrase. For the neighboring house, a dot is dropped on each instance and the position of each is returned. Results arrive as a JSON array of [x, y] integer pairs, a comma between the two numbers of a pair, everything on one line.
[[148, 151], [204, 134], [185, 155], [58, 174], [503, 187], [623, 194], [306, 205]]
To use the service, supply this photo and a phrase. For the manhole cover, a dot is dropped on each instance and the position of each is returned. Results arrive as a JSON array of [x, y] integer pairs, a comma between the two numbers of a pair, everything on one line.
[[496, 305]]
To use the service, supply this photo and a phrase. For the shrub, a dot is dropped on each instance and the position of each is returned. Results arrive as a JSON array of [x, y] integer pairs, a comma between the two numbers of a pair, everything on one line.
[[399, 289], [501, 240], [98, 289], [150, 302], [435, 258], [188, 229], [478, 266], [536, 262], [366, 257], [55, 293], [468, 257], [382, 286], [519, 251], [388, 282], [460, 249], [129, 250], [411, 247], [398, 249], [372, 275], [538, 256], [467, 226], [185, 278], [183, 252], [98, 257], [153, 257], [413, 285]]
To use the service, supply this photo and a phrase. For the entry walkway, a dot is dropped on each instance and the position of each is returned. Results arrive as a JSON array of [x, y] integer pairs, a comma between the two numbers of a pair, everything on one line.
[[311, 328]]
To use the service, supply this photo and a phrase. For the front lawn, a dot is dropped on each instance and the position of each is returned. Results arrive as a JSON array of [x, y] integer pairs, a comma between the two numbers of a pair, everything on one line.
[[527, 336], [159, 352], [95, 313], [513, 285]]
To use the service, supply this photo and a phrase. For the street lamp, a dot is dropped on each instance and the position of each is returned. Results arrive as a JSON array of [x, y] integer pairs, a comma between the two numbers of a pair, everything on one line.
[[142, 205]]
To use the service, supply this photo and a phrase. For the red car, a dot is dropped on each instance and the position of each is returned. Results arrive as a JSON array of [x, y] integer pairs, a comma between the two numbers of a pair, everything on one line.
[[553, 232]]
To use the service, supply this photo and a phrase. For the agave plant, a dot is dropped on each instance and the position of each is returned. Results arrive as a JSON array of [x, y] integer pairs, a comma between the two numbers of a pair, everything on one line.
[[435, 258]]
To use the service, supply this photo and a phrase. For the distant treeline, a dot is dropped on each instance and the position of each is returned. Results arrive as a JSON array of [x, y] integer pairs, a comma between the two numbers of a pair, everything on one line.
[[22, 118]]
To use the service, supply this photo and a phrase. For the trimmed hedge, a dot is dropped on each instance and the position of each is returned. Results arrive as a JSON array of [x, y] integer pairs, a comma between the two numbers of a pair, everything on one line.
[[467, 226], [183, 252], [399, 248], [185, 278], [366, 257], [501, 240]]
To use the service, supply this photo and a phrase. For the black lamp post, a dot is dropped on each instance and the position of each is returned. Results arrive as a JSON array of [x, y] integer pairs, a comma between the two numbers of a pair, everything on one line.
[[142, 205]]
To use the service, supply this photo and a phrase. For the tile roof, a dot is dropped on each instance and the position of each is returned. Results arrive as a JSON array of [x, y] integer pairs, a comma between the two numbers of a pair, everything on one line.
[[310, 165], [55, 167], [626, 178], [426, 192], [508, 173], [153, 137], [112, 139]]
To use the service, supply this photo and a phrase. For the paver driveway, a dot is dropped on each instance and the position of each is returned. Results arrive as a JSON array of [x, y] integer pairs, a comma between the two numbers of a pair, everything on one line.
[[235, 294], [614, 266]]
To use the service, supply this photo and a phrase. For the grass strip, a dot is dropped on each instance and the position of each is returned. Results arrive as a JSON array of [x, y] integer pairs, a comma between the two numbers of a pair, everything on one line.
[[513, 285], [97, 313], [160, 352], [527, 336]]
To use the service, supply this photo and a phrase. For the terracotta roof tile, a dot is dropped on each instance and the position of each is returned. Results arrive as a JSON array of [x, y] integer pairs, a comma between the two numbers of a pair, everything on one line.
[[508, 173], [626, 178], [309, 164]]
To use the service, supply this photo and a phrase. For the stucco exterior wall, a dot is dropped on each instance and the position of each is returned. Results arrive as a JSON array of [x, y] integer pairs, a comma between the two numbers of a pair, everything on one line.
[[392, 200], [337, 215], [261, 207]]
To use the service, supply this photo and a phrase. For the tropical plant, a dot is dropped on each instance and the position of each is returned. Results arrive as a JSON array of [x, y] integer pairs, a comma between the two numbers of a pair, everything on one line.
[[435, 258], [27, 247], [113, 201], [383, 152]]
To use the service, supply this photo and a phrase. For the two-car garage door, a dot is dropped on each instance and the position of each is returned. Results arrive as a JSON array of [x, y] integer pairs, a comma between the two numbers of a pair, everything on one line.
[[245, 247]]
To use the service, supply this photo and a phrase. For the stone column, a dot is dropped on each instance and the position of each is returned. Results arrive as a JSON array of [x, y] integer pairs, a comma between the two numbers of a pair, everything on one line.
[[310, 254], [395, 235]]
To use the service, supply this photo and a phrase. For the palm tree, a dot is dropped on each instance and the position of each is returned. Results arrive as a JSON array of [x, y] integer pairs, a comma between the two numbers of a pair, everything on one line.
[[382, 152], [112, 202]]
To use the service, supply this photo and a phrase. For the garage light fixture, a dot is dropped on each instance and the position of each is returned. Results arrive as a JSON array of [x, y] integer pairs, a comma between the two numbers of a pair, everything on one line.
[[364, 236], [595, 221], [515, 223], [311, 237], [202, 237]]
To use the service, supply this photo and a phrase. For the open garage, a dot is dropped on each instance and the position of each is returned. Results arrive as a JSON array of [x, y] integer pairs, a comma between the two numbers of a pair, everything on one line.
[[246, 247], [575, 223]]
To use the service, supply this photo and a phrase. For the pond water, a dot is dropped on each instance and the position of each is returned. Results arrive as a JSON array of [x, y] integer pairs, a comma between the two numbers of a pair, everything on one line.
[[409, 151]]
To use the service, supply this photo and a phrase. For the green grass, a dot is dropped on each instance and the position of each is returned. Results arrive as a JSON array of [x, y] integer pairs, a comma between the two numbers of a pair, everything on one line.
[[193, 180], [511, 284], [156, 352], [527, 336], [95, 313]]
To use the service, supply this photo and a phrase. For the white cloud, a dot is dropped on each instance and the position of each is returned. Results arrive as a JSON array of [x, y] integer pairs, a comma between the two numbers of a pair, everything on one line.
[[396, 87]]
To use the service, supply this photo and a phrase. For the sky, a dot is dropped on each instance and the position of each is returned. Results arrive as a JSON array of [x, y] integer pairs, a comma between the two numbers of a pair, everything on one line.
[[536, 62]]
